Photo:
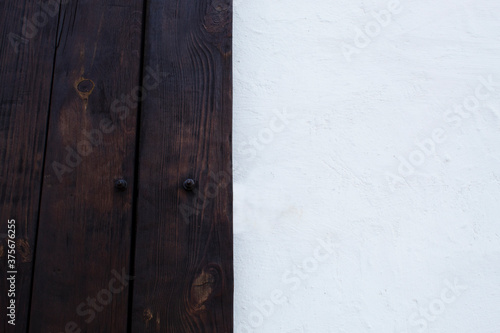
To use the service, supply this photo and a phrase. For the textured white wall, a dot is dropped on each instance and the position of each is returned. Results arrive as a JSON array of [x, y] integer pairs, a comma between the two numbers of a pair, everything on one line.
[[366, 193]]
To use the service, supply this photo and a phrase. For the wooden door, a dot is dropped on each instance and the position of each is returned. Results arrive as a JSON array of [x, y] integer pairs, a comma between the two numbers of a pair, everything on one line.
[[116, 165]]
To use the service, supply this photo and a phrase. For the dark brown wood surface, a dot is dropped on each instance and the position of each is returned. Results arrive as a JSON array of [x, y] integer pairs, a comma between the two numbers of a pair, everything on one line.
[[183, 256], [85, 223], [102, 92], [26, 61]]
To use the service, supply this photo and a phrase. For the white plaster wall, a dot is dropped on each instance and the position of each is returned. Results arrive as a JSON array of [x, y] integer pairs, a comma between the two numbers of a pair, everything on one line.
[[412, 233]]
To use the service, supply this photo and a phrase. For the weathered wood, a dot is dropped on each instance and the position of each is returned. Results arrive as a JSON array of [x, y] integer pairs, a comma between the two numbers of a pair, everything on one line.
[[26, 64], [78, 73], [85, 222], [183, 259]]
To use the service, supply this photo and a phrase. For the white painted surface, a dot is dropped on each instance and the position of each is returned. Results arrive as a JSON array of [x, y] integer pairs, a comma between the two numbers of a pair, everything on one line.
[[323, 177]]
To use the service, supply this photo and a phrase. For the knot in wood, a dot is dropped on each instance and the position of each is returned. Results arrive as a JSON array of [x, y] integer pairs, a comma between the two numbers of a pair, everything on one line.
[[85, 86], [218, 16]]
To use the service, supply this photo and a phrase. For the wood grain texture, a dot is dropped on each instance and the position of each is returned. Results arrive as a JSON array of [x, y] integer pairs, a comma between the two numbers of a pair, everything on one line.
[[183, 260], [85, 223], [26, 65]]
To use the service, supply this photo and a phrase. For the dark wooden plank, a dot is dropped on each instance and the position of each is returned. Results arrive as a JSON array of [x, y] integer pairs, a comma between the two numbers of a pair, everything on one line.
[[183, 261], [26, 66], [85, 223]]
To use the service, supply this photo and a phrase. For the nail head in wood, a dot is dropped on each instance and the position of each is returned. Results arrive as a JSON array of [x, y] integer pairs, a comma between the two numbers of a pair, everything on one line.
[[121, 184], [189, 184]]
